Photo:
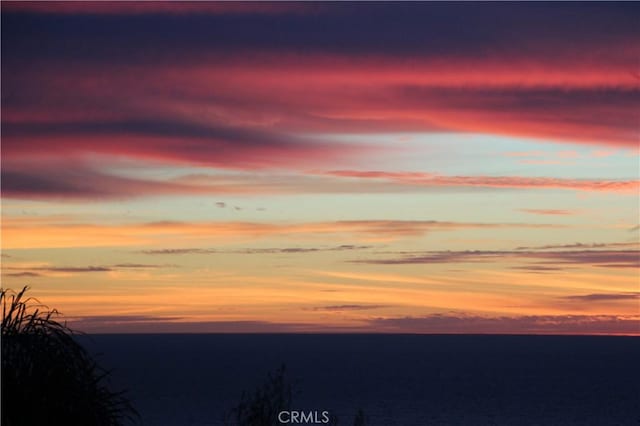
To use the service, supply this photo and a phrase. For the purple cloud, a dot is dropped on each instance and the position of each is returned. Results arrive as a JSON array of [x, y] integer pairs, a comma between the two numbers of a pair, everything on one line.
[[352, 307], [597, 297], [531, 324], [600, 258]]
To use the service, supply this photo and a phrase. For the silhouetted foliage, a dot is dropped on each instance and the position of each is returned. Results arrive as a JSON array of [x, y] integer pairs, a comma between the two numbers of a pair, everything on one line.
[[360, 419], [261, 407], [48, 378]]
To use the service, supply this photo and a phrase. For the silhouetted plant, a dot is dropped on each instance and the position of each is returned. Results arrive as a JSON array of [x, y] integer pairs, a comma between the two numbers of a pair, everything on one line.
[[333, 420], [48, 378], [360, 419], [261, 407]]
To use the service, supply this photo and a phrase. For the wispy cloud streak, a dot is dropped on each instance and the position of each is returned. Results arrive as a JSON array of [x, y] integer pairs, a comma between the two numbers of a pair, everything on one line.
[[423, 179], [532, 324], [36, 271], [38, 233], [351, 307], [549, 212], [271, 250], [77, 181], [547, 259], [428, 324], [598, 297]]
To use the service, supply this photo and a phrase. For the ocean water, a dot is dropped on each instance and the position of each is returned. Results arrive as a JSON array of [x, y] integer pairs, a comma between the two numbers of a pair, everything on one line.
[[403, 380]]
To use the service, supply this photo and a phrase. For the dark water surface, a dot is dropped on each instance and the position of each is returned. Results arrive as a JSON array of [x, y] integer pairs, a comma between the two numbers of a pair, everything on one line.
[[403, 380]]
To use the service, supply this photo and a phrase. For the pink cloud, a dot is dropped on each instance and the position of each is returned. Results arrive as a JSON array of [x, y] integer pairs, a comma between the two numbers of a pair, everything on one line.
[[429, 180], [76, 179], [253, 107], [552, 212], [602, 153], [176, 143], [568, 154]]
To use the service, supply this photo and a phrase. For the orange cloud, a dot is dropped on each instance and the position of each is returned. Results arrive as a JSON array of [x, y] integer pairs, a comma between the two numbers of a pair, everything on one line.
[[24, 234]]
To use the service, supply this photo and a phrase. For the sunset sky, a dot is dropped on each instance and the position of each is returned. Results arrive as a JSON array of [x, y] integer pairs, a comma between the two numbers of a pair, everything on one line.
[[324, 167]]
